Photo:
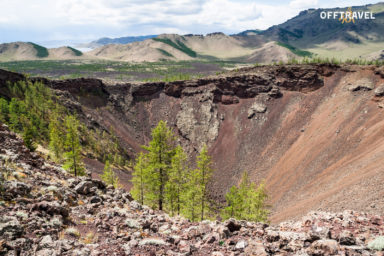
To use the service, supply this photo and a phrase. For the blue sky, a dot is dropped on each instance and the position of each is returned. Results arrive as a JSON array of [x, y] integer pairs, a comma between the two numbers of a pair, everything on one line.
[[57, 21]]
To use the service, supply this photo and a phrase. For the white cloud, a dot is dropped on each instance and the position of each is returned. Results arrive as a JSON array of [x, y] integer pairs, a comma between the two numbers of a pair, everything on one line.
[[170, 15], [8, 19], [63, 18], [303, 4], [118, 12], [28, 13]]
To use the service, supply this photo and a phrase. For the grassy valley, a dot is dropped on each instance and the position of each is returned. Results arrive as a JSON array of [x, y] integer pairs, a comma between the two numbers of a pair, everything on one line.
[[118, 71]]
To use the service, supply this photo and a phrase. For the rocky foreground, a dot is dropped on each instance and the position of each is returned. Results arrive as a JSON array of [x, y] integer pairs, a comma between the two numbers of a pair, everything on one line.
[[45, 211]]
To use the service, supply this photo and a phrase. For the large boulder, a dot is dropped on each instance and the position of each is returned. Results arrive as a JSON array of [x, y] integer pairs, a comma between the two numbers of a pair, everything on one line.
[[86, 188], [324, 247], [15, 189], [10, 228], [46, 242], [89, 186], [152, 241], [361, 85], [379, 92], [232, 225], [275, 92], [346, 238], [256, 108], [377, 244], [52, 208]]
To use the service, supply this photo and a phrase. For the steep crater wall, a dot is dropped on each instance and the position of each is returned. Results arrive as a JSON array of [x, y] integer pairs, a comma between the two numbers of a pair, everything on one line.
[[301, 128]]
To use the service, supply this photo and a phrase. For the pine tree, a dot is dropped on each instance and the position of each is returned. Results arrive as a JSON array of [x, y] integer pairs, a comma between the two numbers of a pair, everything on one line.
[[234, 202], [17, 89], [204, 172], [140, 178], [191, 196], [28, 136], [4, 111], [56, 138], [196, 201], [256, 210], [247, 201], [176, 185], [246, 192], [73, 159], [160, 153], [16, 111], [109, 175]]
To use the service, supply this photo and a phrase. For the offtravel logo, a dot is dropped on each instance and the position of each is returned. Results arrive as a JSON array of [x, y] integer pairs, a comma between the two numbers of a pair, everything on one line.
[[347, 16]]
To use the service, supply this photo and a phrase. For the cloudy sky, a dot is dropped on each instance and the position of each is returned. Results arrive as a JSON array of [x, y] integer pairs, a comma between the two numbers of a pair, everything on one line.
[[86, 20]]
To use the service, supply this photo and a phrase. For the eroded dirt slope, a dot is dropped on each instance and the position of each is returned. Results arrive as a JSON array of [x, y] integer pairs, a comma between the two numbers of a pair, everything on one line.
[[314, 133]]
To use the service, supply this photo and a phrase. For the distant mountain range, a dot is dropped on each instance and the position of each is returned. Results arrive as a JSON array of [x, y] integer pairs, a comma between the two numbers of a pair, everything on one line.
[[119, 40], [330, 37], [306, 35]]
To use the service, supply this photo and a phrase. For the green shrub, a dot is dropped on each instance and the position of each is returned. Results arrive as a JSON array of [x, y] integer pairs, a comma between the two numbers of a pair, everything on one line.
[[246, 201], [4, 110], [28, 137], [109, 176]]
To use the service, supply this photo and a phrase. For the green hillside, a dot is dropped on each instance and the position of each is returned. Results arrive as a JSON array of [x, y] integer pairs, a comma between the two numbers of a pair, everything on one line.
[[42, 52], [177, 45]]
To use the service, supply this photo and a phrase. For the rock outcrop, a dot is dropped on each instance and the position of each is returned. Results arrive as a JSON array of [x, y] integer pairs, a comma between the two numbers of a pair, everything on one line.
[[379, 92], [363, 84], [256, 108]]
